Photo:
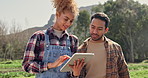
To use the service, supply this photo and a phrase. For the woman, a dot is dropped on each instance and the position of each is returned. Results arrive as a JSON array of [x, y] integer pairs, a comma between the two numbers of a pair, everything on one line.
[[47, 50]]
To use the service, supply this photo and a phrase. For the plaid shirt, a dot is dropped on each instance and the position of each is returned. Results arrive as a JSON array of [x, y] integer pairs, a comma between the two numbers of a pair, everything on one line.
[[116, 66], [34, 53]]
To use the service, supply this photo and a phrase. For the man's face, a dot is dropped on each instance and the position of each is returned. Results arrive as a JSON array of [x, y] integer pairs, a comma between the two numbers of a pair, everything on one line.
[[97, 29]]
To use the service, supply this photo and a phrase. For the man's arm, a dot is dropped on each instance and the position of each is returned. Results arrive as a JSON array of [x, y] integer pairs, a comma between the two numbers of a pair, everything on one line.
[[81, 49], [122, 65]]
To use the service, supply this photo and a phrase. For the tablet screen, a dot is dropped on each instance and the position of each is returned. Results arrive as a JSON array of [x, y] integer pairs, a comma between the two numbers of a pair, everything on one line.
[[74, 57]]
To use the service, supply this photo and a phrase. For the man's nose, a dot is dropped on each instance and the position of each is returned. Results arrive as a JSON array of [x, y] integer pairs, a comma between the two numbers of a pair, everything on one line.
[[95, 31]]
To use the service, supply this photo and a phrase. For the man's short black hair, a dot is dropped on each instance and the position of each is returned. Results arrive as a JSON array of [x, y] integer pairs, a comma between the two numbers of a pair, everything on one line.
[[102, 16]]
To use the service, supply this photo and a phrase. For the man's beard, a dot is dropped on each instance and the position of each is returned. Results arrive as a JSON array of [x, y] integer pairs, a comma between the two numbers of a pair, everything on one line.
[[99, 38]]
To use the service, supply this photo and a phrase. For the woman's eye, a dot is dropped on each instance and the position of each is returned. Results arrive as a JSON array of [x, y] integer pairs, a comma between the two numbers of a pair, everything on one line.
[[66, 19], [71, 21]]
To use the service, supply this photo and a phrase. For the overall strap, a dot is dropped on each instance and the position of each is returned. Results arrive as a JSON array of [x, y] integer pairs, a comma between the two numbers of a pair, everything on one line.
[[47, 42], [47, 37], [68, 41]]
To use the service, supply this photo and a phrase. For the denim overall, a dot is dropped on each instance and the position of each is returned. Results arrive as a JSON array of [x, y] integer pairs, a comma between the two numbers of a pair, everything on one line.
[[52, 53]]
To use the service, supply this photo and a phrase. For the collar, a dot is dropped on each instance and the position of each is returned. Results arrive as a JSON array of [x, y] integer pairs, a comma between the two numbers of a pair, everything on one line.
[[106, 40], [50, 30]]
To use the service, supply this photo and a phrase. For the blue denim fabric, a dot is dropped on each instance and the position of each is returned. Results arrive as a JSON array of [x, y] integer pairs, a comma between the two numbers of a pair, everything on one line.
[[52, 53]]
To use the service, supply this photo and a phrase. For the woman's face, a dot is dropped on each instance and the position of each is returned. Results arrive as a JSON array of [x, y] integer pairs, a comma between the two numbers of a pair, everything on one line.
[[64, 20]]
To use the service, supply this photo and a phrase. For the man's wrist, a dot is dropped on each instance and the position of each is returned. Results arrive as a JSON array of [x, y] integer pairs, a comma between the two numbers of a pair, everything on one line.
[[76, 74]]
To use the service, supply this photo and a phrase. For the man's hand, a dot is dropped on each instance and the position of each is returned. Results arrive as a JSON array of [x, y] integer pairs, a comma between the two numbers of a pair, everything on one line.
[[58, 62], [77, 67]]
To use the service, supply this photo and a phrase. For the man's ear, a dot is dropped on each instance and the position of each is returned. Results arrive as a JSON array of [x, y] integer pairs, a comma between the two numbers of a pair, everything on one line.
[[106, 30]]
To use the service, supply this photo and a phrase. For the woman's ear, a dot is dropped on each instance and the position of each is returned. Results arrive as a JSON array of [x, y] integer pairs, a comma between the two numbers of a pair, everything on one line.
[[57, 14]]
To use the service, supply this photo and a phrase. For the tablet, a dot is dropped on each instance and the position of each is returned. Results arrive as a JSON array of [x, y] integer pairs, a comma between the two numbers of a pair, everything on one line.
[[74, 57]]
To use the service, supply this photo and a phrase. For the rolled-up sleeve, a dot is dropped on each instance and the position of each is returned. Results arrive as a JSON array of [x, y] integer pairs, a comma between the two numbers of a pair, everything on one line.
[[32, 61]]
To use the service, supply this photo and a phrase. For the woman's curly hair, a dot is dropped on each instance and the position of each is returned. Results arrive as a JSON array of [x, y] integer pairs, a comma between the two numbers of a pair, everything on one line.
[[62, 5]]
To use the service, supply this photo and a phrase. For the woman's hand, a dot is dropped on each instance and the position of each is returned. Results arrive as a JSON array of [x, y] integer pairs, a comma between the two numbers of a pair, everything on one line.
[[77, 67], [58, 62]]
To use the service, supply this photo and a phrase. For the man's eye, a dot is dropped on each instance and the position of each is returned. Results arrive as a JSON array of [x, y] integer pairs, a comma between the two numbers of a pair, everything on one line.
[[92, 27], [99, 29]]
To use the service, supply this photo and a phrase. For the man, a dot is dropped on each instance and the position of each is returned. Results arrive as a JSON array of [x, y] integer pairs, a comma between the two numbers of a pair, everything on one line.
[[109, 61]]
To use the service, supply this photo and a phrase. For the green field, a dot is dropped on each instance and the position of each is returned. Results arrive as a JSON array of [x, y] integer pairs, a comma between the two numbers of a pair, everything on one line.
[[12, 69]]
